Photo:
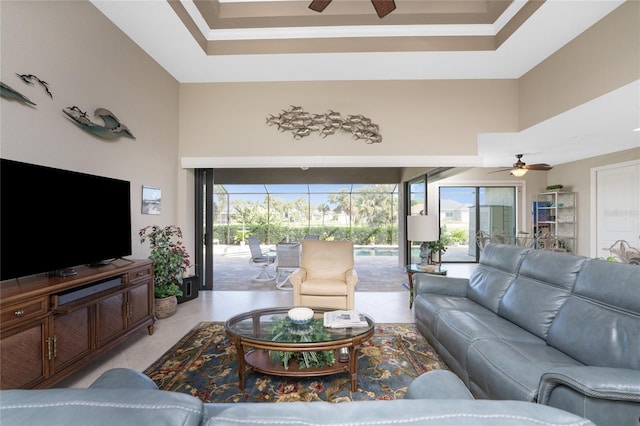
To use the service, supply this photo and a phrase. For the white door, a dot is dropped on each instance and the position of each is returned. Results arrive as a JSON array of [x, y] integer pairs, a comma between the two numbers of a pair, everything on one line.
[[617, 206]]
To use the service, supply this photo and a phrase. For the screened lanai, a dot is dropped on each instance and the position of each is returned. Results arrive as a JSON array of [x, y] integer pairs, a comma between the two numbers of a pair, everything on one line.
[[366, 214]]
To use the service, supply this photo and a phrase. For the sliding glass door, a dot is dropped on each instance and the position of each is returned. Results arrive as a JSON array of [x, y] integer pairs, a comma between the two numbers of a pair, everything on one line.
[[465, 211]]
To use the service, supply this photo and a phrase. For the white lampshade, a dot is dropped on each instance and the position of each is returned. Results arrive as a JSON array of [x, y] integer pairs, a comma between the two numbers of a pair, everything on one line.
[[423, 228]]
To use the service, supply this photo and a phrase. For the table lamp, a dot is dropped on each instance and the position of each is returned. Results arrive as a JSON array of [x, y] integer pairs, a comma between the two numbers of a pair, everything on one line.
[[423, 228]]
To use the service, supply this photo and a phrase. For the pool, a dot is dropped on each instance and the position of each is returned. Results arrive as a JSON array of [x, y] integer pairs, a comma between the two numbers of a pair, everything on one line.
[[375, 251]]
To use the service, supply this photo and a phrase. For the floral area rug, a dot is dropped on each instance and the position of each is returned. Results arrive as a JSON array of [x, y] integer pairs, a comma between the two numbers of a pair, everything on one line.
[[203, 364]]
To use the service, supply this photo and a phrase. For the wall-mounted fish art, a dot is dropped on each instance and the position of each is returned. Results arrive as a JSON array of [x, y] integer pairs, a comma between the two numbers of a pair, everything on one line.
[[10, 93], [112, 128], [302, 123], [30, 79]]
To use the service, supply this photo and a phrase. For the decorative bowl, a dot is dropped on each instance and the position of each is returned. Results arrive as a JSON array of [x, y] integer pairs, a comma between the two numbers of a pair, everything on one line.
[[300, 315]]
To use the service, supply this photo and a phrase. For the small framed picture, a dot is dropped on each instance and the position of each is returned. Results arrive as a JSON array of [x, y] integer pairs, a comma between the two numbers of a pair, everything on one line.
[[151, 200]]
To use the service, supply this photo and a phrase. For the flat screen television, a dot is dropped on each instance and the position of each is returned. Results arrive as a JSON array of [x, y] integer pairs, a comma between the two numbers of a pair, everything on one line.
[[53, 220]]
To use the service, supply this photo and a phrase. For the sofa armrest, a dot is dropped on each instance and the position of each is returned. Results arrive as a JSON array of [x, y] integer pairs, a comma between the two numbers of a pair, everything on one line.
[[119, 378], [606, 396], [597, 382], [448, 286], [438, 384], [297, 277], [351, 278]]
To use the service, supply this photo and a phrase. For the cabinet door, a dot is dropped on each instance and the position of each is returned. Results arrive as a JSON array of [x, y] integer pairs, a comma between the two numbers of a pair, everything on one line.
[[110, 318], [71, 337], [139, 305], [24, 355]]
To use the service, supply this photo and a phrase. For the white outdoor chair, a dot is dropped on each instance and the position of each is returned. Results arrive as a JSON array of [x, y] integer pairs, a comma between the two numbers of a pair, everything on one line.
[[287, 259], [263, 260]]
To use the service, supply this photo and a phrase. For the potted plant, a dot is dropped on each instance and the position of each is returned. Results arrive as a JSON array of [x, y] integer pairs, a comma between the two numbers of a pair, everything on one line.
[[170, 262], [438, 247]]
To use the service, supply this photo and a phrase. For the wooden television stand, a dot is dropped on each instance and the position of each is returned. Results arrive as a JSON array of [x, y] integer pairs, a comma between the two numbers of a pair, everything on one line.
[[52, 326]]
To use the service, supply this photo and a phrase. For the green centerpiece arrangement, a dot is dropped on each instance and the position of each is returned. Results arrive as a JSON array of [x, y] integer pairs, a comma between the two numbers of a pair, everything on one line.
[[284, 329]]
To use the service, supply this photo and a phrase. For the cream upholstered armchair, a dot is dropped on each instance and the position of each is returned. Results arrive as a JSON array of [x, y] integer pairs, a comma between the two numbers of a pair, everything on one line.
[[326, 278]]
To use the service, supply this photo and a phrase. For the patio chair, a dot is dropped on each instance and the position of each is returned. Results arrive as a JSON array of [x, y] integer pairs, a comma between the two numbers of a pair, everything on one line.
[[261, 259], [326, 278], [287, 259]]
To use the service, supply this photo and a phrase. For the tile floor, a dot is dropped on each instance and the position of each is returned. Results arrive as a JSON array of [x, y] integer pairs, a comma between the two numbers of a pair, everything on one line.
[[141, 350]]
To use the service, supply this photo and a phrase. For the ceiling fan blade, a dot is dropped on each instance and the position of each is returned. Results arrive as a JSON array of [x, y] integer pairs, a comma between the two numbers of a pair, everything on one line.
[[383, 7], [502, 170], [319, 5], [540, 166]]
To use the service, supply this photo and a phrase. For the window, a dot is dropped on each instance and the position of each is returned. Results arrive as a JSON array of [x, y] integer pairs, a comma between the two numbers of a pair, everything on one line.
[[464, 211]]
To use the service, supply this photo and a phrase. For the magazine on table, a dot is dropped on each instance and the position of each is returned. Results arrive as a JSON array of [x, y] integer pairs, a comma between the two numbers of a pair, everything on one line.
[[342, 319]]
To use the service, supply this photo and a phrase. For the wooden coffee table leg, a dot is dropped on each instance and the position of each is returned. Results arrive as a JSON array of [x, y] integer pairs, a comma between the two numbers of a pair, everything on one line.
[[241, 364], [353, 367]]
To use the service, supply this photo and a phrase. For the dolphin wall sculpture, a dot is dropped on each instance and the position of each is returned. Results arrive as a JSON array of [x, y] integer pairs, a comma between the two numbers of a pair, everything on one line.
[[112, 128]]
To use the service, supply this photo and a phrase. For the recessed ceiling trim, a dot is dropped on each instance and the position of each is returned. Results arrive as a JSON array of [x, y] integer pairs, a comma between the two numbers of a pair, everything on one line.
[[350, 45], [354, 38], [351, 32]]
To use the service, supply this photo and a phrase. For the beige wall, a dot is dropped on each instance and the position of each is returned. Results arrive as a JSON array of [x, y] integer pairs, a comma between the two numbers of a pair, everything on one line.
[[415, 117], [90, 63], [603, 58]]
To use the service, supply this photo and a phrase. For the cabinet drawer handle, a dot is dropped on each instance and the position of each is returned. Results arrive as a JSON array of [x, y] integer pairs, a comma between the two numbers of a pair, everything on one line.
[[19, 313], [141, 274]]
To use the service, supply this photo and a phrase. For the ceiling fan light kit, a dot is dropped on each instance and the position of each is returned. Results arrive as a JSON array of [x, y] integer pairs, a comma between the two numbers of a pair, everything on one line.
[[518, 172]]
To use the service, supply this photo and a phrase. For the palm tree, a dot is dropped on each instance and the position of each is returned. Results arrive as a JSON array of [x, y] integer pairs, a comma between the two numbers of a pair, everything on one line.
[[324, 208]]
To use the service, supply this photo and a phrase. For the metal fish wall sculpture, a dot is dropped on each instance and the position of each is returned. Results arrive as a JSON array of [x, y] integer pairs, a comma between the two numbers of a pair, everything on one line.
[[111, 129], [30, 79], [9, 92], [302, 124]]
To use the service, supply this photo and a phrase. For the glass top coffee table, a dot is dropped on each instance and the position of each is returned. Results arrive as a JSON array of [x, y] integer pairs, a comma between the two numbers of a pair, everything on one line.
[[265, 337]]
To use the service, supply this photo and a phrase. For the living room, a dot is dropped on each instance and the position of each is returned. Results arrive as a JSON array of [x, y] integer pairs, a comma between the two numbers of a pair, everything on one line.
[[180, 124]]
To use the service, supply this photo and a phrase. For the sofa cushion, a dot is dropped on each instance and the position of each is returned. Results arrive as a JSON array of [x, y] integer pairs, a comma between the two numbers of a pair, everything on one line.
[[409, 412], [600, 324], [324, 287], [457, 330], [544, 283], [99, 406], [495, 273], [511, 370], [432, 305]]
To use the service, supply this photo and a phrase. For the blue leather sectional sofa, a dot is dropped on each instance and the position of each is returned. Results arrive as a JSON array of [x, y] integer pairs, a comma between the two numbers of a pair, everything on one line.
[[125, 397], [539, 326]]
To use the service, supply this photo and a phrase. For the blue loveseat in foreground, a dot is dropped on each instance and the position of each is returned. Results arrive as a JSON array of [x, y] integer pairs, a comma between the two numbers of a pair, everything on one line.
[[125, 397], [540, 326]]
